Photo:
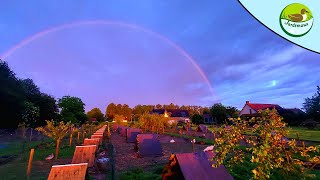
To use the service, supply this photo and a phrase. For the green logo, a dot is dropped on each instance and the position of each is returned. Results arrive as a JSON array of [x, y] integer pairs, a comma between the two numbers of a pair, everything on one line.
[[296, 20]]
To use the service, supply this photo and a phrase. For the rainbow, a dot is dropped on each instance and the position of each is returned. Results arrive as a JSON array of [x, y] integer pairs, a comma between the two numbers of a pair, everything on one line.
[[113, 23]]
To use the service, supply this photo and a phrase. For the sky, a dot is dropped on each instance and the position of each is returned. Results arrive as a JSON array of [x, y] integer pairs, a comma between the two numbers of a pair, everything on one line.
[[148, 52]]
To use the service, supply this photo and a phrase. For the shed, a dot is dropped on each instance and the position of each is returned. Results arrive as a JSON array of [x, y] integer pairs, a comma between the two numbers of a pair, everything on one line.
[[202, 128], [132, 134], [148, 145], [191, 166]]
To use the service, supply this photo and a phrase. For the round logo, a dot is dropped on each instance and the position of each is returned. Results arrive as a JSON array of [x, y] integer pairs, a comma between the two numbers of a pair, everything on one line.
[[296, 20]]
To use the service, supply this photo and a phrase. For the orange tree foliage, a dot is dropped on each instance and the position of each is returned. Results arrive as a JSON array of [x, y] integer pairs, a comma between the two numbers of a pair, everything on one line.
[[267, 146], [153, 122], [56, 131]]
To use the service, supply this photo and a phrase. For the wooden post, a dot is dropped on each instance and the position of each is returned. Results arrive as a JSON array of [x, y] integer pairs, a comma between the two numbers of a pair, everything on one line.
[[30, 162], [70, 140], [57, 148], [31, 134], [78, 137]]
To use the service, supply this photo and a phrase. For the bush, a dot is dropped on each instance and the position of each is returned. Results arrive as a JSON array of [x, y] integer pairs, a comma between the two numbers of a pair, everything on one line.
[[270, 152]]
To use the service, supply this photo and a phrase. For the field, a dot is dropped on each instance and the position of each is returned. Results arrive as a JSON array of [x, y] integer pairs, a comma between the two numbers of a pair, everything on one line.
[[13, 160]]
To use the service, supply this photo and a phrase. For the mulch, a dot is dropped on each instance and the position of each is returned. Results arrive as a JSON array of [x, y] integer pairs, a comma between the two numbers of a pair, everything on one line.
[[126, 158]]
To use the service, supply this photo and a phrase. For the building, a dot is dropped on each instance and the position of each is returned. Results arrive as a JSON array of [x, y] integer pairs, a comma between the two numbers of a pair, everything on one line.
[[251, 109], [174, 115], [208, 119]]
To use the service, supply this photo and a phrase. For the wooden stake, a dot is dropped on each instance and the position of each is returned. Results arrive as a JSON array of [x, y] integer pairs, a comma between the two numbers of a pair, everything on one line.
[[30, 162], [70, 141], [78, 137]]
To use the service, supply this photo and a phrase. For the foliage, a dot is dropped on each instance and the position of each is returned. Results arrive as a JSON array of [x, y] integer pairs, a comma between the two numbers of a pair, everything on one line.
[[119, 119], [56, 132], [269, 151], [219, 113], [312, 106], [293, 117], [197, 119], [72, 110], [153, 122], [30, 114], [141, 174], [96, 113], [14, 92], [111, 111]]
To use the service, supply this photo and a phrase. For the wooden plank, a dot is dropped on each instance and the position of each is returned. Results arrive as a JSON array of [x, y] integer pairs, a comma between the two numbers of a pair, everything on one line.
[[69, 171], [198, 165], [84, 154], [97, 137], [91, 142]]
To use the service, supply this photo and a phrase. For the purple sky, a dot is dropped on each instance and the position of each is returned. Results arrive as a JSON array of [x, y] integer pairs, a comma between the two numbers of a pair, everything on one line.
[[100, 63]]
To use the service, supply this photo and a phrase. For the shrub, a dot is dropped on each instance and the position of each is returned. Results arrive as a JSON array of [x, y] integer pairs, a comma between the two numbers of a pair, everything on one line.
[[270, 152]]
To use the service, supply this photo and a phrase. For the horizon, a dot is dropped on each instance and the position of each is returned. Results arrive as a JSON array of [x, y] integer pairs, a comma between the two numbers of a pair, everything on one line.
[[134, 54]]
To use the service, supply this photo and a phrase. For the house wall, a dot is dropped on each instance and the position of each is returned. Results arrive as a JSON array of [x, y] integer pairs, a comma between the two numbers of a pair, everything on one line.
[[246, 110]]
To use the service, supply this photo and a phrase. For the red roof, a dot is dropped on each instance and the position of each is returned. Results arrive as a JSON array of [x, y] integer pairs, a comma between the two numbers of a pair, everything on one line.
[[257, 106]]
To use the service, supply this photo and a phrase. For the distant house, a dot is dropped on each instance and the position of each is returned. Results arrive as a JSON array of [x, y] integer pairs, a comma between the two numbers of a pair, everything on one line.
[[295, 110], [208, 119], [92, 119], [174, 115], [251, 109]]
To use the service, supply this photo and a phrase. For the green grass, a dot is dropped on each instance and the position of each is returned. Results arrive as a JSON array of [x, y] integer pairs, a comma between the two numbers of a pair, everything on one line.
[[304, 133], [198, 139], [16, 168], [140, 174]]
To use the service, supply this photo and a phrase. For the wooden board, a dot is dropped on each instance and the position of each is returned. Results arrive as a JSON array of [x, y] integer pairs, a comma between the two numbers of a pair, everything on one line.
[[91, 142], [84, 154], [148, 145], [69, 171], [199, 165], [97, 137], [132, 134]]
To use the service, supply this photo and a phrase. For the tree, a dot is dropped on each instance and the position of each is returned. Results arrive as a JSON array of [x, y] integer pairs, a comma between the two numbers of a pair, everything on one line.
[[197, 119], [30, 115], [72, 109], [48, 108], [269, 150], [119, 109], [12, 97], [312, 106], [56, 132], [111, 111], [219, 113], [96, 113], [232, 112], [119, 119], [127, 111]]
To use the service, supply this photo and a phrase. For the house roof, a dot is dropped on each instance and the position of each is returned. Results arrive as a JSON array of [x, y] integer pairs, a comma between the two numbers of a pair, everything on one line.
[[173, 112], [258, 106], [295, 110]]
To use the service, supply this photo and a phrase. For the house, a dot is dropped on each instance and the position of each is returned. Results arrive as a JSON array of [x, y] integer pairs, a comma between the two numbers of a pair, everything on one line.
[[251, 109], [208, 119], [174, 115]]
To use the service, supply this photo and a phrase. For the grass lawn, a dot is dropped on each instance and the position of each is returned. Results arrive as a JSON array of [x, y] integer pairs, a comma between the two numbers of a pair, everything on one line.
[[304, 133], [198, 139], [13, 161], [140, 174]]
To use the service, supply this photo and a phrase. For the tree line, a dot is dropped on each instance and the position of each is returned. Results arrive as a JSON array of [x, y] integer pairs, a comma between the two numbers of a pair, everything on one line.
[[23, 104]]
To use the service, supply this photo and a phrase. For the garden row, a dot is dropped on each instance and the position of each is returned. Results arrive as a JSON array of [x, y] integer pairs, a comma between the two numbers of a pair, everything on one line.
[[89, 155], [181, 165]]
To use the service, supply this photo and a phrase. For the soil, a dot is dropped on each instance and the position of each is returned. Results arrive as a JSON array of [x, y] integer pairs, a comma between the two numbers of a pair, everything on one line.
[[126, 157]]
